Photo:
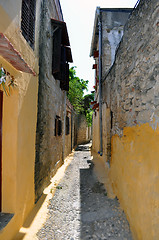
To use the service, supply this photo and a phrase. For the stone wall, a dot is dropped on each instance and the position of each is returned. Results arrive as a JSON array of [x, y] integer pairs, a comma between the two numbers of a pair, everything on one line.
[[71, 135], [131, 97], [113, 21], [51, 103], [131, 87], [83, 131], [112, 28]]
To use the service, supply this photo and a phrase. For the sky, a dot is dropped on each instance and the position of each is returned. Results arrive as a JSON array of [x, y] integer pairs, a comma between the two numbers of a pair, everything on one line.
[[79, 17]]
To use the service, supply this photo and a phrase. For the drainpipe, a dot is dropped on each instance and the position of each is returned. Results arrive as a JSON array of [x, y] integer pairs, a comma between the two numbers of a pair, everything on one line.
[[100, 82], [71, 129]]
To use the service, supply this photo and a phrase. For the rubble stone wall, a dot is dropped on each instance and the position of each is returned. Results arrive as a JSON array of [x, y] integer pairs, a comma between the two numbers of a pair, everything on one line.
[[51, 103], [131, 94], [83, 131]]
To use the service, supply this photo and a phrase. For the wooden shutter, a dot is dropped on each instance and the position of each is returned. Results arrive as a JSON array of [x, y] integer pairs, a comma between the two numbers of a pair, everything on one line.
[[61, 54], [63, 63], [96, 54], [64, 84], [56, 53]]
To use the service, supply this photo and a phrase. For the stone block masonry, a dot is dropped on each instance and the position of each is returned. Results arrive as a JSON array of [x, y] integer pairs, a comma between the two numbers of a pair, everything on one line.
[[83, 131], [51, 104], [133, 79], [131, 94]]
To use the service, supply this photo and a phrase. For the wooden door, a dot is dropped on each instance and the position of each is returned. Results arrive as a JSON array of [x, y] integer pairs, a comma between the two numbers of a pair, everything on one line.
[[1, 108]]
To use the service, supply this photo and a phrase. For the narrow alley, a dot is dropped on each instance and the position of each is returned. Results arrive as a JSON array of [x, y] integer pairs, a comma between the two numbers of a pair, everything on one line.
[[80, 208], [72, 72]]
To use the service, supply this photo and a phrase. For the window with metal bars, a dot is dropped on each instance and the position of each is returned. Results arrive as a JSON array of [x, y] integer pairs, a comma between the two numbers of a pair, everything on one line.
[[28, 21]]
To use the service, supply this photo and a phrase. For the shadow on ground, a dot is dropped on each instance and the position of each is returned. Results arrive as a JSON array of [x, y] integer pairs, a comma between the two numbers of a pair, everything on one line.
[[83, 148], [101, 217]]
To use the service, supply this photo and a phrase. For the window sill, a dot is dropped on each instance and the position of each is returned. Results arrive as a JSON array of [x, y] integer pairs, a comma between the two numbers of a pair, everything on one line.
[[5, 219]]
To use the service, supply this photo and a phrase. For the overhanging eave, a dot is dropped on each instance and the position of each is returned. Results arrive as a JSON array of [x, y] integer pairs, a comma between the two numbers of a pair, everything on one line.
[[10, 54]]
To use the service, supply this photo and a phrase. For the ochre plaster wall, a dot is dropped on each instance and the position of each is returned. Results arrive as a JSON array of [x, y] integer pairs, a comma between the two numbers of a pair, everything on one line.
[[18, 126], [95, 133], [135, 178]]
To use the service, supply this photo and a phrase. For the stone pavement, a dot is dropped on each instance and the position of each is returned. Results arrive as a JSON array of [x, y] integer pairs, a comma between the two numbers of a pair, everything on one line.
[[80, 208]]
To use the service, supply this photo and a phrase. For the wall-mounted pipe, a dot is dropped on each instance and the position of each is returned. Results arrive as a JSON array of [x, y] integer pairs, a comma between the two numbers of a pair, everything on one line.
[[100, 81]]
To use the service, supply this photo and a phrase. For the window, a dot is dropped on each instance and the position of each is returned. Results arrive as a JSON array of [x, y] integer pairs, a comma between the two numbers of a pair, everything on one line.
[[61, 54], [58, 126], [56, 53], [111, 119], [28, 20], [67, 125]]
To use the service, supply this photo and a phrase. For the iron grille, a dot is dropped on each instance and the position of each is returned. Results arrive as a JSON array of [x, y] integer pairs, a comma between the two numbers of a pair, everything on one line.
[[28, 21]]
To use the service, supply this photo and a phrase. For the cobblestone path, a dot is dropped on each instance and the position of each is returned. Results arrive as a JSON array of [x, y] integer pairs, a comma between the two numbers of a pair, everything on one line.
[[80, 208]]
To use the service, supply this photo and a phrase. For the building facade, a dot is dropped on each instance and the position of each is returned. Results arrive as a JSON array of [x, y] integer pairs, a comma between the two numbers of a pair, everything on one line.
[[130, 121], [54, 55], [83, 130], [35, 120], [107, 34], [18, 113]]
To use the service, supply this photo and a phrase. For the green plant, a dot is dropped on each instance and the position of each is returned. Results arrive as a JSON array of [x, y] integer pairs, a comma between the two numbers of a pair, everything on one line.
[[59, 187], [6, 80], [76, 90]]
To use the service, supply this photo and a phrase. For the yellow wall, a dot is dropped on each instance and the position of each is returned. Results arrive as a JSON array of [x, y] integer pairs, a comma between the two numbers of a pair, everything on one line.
[[95, 133], [18, 127], [135, 178], [68, 137], [133, 174], [106, 131]]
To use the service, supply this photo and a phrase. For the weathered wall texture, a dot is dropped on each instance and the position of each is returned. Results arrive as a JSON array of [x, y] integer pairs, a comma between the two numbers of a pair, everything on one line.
[[51, 100], [18, 125], [50, 148], [83, 131], [131, 92], [113, 22], [71, 136], [95, 133]]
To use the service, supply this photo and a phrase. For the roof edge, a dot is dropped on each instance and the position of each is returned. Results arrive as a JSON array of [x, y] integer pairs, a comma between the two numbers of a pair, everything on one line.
[[97, 13], [94, 29]]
